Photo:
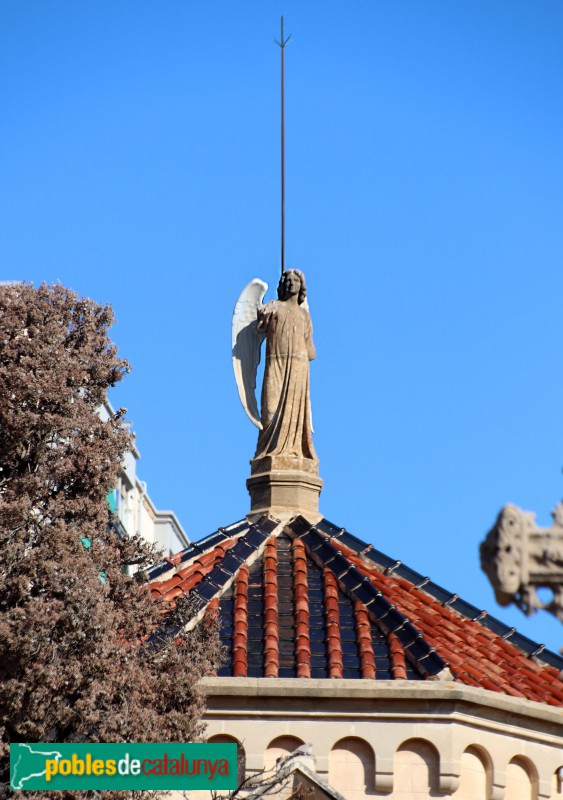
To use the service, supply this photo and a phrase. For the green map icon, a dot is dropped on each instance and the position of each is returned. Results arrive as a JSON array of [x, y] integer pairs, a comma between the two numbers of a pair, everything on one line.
[[27, 763]]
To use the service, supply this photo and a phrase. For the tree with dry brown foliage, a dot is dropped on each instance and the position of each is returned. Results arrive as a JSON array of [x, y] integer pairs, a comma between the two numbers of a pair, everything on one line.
[[78, 657]]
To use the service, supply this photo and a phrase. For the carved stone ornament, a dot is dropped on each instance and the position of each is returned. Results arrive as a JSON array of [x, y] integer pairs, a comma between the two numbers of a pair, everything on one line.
[[284, 471], [519, 558]]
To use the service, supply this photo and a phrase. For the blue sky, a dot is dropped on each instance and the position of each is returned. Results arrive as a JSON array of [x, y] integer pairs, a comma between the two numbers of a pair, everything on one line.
[[139, 155]]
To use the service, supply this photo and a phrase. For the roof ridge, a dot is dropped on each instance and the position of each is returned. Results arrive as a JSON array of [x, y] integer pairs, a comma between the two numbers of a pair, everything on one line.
[[244, 552], [197, 548]]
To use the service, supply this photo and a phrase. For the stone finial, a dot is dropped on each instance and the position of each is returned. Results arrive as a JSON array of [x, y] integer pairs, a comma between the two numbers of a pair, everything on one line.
[[518, 557]]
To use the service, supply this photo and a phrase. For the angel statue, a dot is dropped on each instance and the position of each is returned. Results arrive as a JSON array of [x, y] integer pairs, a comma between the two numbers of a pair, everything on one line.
[[285, 418]]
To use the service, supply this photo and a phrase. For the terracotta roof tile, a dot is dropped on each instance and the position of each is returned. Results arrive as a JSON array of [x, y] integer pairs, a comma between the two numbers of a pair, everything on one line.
[[271, 630], [301, 606], [363, 635], [334, 643], [398, 662], [191, 575], [240, 615]]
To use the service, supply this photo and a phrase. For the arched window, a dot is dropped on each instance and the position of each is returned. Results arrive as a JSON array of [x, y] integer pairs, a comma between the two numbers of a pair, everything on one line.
[[476, 775], [223, 738], [521, 780], [351, 768], [417, 767], [278, 747]]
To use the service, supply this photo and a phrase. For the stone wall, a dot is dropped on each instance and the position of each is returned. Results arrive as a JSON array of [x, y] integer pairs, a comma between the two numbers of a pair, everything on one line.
[[396, 739]]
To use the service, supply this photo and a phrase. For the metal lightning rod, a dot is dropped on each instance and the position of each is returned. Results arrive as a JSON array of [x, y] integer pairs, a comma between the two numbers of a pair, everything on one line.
[[282, 43]]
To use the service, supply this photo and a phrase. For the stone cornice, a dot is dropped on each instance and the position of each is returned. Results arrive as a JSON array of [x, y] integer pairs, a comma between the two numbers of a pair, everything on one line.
[[439, 697]]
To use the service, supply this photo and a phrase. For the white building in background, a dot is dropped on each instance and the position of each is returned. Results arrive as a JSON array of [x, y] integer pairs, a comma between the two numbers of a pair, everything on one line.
[[136, 511]]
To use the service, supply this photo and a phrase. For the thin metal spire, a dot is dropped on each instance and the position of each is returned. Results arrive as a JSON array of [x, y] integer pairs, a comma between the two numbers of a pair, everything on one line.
[[282, 43]]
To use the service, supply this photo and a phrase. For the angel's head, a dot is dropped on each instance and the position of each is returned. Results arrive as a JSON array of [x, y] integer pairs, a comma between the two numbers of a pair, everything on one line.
[[292, 282]]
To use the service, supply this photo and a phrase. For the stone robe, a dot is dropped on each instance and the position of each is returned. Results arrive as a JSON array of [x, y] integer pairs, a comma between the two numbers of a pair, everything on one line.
[[285, 406]]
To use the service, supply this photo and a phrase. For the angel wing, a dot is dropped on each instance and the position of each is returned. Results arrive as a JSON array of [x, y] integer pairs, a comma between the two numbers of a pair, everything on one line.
[[246, 342]]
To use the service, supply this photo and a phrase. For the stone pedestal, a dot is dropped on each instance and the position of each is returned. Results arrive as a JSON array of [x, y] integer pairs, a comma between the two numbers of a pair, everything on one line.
[[284, 486]]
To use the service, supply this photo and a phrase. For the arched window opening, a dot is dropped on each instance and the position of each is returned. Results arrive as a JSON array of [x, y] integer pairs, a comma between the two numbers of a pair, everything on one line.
[[278, 747], [476, 775], [351, 768], [521, 780], [417, 767]]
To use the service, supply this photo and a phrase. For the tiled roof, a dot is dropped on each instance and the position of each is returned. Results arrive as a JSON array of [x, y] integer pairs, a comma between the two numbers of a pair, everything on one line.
[[313, 601]]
